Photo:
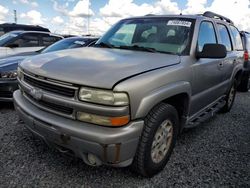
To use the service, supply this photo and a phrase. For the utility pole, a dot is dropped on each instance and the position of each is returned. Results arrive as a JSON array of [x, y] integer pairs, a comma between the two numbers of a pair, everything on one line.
[[15, 16], [88, 18]]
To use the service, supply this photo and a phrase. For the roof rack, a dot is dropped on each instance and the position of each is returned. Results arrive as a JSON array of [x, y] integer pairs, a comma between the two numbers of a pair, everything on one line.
[[210, 14], [150, 15]]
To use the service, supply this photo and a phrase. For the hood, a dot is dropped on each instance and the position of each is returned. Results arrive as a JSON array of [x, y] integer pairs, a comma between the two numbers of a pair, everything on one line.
[[96, 67], [11, 61]]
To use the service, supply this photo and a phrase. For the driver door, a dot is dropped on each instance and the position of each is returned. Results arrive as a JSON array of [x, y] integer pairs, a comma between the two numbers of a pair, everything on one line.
[[207, 72]]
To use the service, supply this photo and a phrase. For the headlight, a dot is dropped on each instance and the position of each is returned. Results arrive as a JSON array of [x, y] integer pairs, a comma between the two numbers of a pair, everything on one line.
[[103, 97], [19, 73], [8, 74]]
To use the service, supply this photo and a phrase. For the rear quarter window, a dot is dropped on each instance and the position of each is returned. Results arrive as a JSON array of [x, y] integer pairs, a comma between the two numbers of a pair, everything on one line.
[[236, 38]]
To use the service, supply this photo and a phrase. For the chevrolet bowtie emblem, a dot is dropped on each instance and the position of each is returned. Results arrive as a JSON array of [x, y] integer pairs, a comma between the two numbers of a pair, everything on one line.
[[36, 94]]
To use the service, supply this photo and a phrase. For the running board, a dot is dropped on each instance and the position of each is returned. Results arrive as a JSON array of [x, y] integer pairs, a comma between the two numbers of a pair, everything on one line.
[[205, 114]]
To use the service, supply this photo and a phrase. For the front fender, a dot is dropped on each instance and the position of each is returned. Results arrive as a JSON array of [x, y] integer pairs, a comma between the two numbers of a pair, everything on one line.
[[160, 94]]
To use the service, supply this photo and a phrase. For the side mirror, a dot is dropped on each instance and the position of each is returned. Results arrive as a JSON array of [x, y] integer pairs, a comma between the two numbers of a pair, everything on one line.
[[212, 51], [12, 45]]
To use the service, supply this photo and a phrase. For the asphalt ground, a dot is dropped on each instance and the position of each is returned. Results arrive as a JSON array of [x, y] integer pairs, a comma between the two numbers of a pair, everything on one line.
[[214, 154]]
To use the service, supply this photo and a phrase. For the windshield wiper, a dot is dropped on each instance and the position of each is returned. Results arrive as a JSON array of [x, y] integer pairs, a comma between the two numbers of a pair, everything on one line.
[[136, 47], [104, 45]]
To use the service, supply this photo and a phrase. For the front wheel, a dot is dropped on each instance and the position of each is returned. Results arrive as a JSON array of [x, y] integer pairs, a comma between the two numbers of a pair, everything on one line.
[[157, 140]]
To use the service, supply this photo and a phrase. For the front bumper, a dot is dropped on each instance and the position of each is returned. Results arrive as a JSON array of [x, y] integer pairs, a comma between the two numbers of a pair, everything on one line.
[[7, 87], [111, 146]]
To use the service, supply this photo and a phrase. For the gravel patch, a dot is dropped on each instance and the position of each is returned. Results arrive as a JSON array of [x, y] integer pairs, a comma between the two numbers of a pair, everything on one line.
[[214, 154]]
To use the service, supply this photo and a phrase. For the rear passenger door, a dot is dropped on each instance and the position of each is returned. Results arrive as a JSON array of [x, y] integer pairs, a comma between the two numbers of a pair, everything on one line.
[[227, 63], [207, 74]]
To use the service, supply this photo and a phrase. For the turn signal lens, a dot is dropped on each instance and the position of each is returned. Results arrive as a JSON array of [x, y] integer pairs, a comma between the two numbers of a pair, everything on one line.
[[102, 120]]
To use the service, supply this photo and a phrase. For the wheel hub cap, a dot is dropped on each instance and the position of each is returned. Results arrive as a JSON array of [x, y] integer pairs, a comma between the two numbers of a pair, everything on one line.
[[162, 141]]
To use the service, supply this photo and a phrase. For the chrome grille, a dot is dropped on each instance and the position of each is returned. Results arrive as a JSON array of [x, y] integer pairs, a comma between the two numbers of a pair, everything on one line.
[[53, 88]]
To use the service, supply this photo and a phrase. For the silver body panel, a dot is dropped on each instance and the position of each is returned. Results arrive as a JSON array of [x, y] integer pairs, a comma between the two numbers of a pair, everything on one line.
[[147, 78]]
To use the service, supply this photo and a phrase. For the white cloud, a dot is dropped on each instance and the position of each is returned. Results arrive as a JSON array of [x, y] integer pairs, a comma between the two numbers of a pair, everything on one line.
[[3, 13], [195, 7], [34, 4], [115, 10], [24, 1], [57, 20], [34, 17], [62, 9], [82, 9]]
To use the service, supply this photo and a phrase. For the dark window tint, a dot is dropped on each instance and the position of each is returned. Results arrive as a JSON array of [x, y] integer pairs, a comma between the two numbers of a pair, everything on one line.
[[248, 42], [236, 38], [48, 40], [66, 44], [224, 37], [27, 40], [206, 35]]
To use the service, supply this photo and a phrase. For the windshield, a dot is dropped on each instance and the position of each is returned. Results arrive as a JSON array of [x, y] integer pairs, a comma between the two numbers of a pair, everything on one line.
[[165, 35], [7, 37], [66, 44]]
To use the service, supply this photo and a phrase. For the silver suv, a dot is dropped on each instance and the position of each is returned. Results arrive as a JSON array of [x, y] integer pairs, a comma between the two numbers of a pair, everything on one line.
[[125, 101]]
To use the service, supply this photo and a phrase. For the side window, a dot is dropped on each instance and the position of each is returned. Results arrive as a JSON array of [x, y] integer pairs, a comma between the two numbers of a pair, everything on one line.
[[224, 36], [206, 34], [236, 38], [124, 35], [27, 40], [48, 40], [248, 42]]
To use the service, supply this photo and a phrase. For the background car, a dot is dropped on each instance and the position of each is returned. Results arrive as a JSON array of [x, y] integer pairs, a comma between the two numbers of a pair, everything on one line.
[[25, 41], [245, 83], [7, 27], [8, 66]]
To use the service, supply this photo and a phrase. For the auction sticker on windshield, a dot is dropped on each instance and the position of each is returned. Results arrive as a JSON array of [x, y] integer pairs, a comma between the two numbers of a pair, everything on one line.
[[179, 23]]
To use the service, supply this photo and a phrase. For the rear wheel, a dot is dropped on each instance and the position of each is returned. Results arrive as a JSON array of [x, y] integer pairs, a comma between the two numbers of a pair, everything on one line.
[[244, 84], [157, 140], [230, 98]]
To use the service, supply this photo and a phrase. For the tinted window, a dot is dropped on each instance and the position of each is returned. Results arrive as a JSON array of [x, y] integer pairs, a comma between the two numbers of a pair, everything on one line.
[[66, 44], [48, 40], [236, 38], [224, 37], [27, 40], [247, 41], [7, 38], [206, 35]]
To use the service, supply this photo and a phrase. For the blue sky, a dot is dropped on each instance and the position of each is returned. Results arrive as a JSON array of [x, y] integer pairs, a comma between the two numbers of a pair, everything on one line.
[[70, 16]]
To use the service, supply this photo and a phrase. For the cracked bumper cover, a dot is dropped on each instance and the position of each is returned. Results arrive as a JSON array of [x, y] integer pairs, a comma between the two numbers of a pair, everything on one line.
[[112, 146]]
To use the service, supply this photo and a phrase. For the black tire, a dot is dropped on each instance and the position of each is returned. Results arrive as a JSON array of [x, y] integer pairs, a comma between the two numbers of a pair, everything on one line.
[[244, 84], [143, 162], [230, 98]]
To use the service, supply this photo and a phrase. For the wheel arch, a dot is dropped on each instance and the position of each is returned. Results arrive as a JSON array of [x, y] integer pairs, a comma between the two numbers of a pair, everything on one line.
[[178, 95]]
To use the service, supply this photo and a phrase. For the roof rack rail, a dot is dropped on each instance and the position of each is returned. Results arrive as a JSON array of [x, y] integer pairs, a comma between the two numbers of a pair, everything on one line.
[[150, 15], [210, 14]]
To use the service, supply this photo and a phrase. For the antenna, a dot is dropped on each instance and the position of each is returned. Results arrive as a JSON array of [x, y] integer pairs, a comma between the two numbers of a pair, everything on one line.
[[15, 16]]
